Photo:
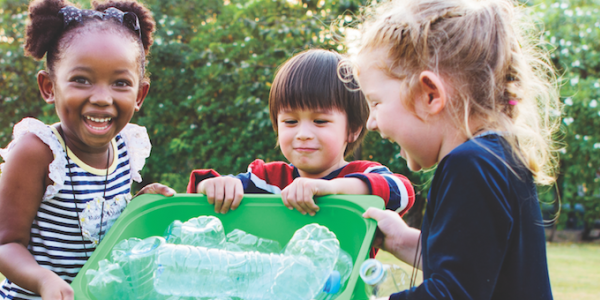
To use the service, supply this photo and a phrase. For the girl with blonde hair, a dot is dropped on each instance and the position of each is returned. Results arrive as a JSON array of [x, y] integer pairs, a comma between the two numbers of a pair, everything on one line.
[[462, 84]]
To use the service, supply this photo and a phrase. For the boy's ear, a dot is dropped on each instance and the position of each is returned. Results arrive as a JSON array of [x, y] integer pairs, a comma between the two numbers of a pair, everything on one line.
[[46, 86], [434, 92], [141, 96], [353, 136]]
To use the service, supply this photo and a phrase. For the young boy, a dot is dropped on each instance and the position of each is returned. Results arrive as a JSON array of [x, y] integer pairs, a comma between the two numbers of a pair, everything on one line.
[[318, 122]]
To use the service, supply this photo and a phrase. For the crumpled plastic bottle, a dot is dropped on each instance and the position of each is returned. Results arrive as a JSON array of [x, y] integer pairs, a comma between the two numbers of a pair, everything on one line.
[[299, 273], [141, 264], [205, 231], [239, 240], [383, 279], [153, 269], [337, 280], [108, 282]]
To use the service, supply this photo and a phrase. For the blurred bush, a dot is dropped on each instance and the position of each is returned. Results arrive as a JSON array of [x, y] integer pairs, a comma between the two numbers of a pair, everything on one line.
[[214, 60], [572, 31]]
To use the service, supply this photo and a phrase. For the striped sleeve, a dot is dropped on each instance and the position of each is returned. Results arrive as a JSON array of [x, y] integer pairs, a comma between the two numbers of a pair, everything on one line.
[[266, 178], [395, 189], [197, 176], [261, 178]]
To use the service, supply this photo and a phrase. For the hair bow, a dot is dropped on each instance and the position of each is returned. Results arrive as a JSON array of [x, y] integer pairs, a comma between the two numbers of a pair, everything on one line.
[[129, 19]]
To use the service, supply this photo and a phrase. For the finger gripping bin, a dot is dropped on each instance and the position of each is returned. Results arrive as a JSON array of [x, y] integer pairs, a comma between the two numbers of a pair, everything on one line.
[[261, 215]]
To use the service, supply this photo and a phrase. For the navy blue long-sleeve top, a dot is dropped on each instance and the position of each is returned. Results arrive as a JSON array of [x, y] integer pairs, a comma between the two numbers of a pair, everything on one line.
[[482, 233]]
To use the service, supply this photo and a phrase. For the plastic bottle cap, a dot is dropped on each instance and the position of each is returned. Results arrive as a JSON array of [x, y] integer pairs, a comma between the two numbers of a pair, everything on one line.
[[371, 271], [333, 283]]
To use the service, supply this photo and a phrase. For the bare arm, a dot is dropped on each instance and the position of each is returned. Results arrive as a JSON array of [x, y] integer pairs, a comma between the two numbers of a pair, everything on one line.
[[22, 185]]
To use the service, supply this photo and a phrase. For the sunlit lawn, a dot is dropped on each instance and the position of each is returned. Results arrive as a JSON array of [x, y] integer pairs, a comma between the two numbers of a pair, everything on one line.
[[574, 270]]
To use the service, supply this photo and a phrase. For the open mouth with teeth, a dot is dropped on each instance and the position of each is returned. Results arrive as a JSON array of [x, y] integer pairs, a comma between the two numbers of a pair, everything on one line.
[[98, 123]]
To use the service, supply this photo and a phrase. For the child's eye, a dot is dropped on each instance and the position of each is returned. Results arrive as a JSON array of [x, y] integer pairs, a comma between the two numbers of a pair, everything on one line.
[[81, 80], [290, 122], [320, 122], [122, 83]]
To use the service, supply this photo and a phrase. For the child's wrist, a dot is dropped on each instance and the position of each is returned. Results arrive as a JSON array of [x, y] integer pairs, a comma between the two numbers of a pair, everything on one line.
[[45, 277]]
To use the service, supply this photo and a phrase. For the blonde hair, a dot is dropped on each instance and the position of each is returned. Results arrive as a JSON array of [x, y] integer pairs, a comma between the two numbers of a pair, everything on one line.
[[489, 56]]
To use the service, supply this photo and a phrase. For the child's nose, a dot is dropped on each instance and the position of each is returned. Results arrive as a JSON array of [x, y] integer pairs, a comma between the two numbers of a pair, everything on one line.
[[372, 123], [101, 96], [304, 131]]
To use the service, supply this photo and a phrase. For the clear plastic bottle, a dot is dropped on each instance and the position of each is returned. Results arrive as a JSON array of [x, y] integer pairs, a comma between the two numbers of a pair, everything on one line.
[[108, 282], [299, 273], [321, 246], [205, 231], [130, 275], [239, 240], [152, 269], [120, 255], [383, 279], [338, 278], [142, 267]]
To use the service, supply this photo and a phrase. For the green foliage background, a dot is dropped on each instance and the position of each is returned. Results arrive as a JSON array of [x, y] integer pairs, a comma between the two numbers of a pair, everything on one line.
[[572, 30], [213, 61]]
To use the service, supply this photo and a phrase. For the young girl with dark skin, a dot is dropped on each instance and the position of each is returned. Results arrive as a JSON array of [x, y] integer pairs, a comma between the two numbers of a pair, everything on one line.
[[64, 185]]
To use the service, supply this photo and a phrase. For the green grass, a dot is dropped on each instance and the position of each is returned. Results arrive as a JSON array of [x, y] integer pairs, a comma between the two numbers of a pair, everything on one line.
[[387, 258], [573, 270]]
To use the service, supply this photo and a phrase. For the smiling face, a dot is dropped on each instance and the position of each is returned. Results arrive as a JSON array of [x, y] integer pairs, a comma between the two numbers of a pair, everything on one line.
[[313, 141], [96, 88], [390, 116]]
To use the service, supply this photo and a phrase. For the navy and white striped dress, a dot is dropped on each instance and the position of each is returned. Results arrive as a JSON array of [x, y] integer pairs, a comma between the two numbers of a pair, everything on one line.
[[56, 240]]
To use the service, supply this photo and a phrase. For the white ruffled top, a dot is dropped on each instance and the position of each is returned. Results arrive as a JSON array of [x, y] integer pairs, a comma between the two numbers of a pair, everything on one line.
[[135, 136]]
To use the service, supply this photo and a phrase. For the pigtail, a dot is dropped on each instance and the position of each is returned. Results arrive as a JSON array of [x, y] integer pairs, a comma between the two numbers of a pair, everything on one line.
[[44, 28], [144, 15]]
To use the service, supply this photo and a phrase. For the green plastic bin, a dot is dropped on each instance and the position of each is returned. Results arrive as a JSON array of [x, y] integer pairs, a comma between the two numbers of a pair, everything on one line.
[[262, 215]]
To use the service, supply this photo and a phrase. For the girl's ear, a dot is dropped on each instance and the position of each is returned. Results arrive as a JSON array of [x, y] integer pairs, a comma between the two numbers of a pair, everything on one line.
[[434, 92], [141, 96], [46, 86]]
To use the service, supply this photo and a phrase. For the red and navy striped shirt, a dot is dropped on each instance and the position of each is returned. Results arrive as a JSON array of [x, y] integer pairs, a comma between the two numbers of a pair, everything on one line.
[[270, 178]]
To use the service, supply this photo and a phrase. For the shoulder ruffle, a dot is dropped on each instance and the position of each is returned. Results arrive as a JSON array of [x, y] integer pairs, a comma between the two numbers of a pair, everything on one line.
[[138, 148], [57, 171]]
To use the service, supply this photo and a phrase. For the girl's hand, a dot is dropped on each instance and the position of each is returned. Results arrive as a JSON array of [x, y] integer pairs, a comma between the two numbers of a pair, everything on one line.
[[55, 288], [224, 192], [390, 224], [299, 194], [397, 237], [157, 188]]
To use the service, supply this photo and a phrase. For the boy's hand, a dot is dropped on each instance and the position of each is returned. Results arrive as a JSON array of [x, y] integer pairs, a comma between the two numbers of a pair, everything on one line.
[[224, 192], [299, 194], [156, 188], [55, 288]]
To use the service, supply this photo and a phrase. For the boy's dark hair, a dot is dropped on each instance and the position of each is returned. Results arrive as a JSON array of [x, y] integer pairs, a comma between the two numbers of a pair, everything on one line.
[[309, 80], [47, 35]]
